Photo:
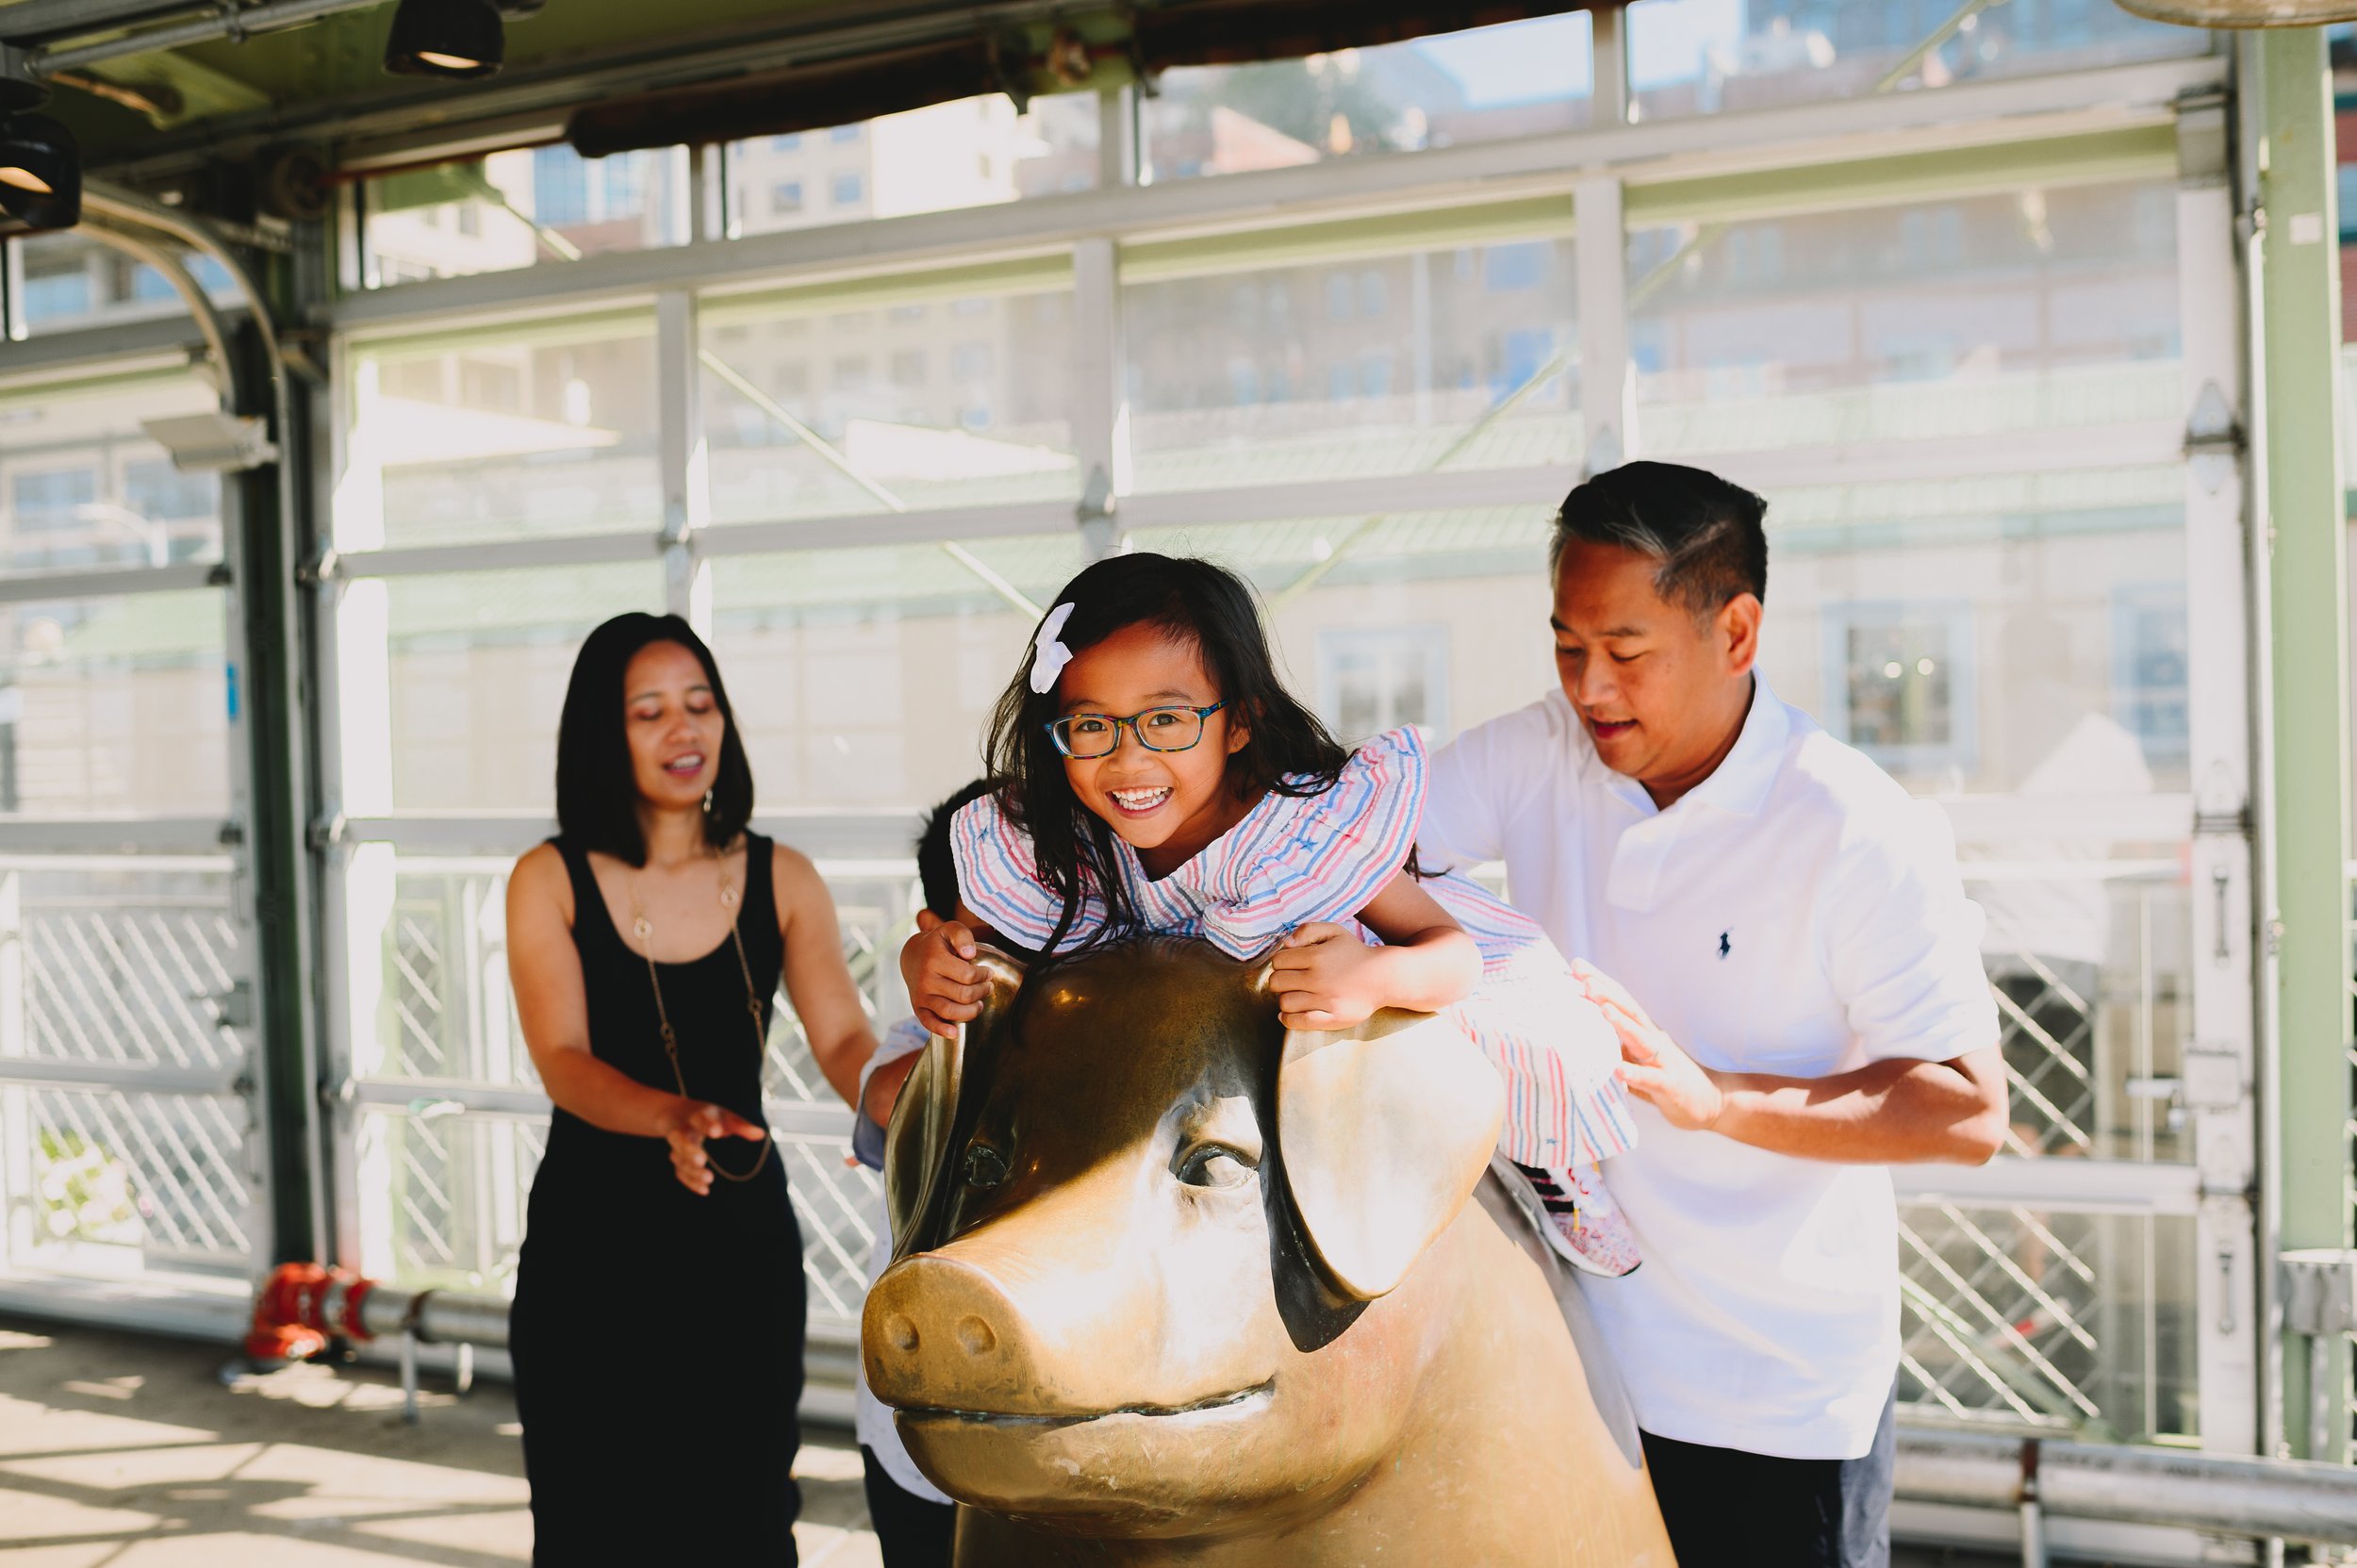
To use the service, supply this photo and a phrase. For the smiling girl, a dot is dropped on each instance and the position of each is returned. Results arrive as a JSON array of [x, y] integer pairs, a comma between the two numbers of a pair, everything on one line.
[[1161, 779]]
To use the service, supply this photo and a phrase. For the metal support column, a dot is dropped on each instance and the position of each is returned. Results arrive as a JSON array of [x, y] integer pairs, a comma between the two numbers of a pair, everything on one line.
[[275, 690], [1610, 97], [1100, 414], [2220, 1063], [2298, 347], [1607, 398], [684, 459]]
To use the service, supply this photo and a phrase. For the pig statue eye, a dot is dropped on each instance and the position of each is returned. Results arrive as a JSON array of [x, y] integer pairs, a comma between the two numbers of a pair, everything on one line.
[[1214, 1165], [985, 1166]]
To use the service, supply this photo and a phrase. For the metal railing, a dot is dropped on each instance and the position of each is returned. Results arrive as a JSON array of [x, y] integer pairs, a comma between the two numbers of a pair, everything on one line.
[[126, 1144], [2043, 1318]]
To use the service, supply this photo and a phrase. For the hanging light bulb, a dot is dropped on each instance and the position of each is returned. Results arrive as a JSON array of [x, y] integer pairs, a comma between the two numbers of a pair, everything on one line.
[[40, 172], [445, 38]]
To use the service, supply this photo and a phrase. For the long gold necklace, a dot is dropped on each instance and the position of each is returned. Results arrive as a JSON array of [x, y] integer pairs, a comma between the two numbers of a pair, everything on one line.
[[644, 929]]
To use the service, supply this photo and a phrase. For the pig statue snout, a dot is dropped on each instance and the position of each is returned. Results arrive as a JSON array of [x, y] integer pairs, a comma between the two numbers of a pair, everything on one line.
[[939, 1329], [1016, 1319]]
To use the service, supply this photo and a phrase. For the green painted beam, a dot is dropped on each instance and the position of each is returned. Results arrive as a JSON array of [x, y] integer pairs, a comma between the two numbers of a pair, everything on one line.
[[2135, 152], [2299, 331], [1384, 234]]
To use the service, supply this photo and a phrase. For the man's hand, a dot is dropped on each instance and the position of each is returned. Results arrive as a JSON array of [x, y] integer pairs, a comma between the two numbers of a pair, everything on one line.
[[945, 985], [1326, 978], [1653, 1065]]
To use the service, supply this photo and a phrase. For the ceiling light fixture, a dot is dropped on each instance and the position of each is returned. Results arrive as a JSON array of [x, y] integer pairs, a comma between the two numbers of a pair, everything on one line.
[[461, 39], [40, 172]]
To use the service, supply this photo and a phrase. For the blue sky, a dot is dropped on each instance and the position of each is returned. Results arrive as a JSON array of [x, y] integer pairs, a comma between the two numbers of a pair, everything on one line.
[[1516, 63], [1548, 57]]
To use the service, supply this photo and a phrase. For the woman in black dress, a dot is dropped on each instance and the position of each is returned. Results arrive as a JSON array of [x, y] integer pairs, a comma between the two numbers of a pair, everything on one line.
[[657, 1328]]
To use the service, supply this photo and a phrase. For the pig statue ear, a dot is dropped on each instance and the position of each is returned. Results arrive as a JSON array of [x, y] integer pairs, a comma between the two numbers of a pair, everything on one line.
[[925, 1118], [1384, 1128]]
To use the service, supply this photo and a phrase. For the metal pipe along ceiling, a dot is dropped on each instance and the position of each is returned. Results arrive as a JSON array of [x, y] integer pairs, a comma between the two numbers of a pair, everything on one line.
[[218, 23]]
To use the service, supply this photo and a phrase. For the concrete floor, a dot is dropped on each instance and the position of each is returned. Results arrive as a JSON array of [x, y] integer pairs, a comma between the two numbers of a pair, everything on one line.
[[129, 1452]]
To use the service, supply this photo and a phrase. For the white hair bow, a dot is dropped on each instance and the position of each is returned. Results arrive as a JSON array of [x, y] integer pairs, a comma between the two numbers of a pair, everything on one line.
[[1050, 656]]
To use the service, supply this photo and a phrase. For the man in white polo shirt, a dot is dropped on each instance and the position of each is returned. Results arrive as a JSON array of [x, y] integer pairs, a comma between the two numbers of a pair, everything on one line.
[[1796, 975]]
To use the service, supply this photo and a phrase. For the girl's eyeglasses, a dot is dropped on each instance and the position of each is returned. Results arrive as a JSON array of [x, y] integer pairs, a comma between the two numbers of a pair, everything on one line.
[[1083, 736]]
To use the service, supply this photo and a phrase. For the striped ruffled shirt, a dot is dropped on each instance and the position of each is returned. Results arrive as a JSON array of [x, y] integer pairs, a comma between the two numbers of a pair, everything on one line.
[[1293, 860]]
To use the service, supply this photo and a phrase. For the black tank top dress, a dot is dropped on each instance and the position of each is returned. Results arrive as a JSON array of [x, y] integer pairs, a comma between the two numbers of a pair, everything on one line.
[[657, 1336]]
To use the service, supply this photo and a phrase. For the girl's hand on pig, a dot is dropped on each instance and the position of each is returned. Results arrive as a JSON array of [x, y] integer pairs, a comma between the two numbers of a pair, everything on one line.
[[1326, 978]]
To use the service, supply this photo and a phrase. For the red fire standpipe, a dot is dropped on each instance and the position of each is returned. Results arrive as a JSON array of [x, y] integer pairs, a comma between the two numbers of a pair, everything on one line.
[[301, 1307]]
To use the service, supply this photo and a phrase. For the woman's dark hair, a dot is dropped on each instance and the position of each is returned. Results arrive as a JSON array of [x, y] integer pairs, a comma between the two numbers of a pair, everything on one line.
[[597, 789], [1290, 752]]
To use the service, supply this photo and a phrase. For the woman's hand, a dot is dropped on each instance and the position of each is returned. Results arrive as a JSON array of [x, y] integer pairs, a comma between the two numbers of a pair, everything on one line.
[[945, 985], [687, 1124], [1326, 978]]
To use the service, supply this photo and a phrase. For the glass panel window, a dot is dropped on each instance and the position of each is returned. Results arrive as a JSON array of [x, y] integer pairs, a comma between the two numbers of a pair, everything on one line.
[[1432, 619], [82, 485], [521, 209], [1701, 56], [975, 151], [73, 281], [456, 439], [864, 678], [1517, 78], [1905, 672], [948, 396], [465, 703], [1390, 364], [115, 704], [1978, 316], [1372, 680]]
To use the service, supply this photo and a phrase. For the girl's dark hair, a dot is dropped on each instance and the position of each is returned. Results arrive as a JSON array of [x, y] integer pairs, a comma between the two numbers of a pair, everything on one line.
[[1290, 752], [597, 789]]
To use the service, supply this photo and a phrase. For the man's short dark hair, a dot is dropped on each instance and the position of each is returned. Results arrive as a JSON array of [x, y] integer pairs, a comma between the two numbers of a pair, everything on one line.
[[936, 862], [1708, 535]]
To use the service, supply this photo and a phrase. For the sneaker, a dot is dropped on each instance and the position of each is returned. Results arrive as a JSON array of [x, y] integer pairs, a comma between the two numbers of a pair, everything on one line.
[[1579, 1221]]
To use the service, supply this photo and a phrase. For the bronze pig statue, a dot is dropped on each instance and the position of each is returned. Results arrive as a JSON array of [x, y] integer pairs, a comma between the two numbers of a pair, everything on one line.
[[1173, 1286]]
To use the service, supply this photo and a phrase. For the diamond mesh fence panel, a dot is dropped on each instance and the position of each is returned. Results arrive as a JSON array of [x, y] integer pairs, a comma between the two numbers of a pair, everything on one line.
[[2065, 1322], [119, 967], [2044, 1318], [119, 1181], [124, 968], [2091, 980], [445, 1011]]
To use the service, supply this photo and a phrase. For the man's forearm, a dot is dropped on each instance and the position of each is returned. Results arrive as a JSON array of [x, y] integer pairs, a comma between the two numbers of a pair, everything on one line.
[[1890, 1113]]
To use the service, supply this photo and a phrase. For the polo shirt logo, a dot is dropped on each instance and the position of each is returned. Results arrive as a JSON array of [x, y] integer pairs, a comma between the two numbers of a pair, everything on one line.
[[1724, 946]]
